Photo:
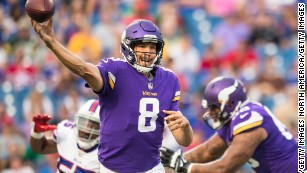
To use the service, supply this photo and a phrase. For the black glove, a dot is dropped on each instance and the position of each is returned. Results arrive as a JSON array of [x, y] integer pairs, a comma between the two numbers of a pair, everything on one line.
[[174, 160]]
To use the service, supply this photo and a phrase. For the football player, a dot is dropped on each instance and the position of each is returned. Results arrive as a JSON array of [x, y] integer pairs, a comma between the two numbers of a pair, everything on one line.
[[246, 132], [76, 142], [137, 97]]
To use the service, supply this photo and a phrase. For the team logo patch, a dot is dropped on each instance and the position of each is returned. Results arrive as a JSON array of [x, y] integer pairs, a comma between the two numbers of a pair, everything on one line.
[[150, 85], [111, 79]]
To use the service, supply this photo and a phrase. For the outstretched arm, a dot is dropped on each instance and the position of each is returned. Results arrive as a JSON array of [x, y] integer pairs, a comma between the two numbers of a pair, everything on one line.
[[180, 127], [239, 152], [75, 64], [38, 142]]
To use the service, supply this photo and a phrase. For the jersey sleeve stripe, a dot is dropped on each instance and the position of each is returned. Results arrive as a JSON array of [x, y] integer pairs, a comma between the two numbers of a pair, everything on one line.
[[241, 129], [111, 79], [111, 83], [176, 98]]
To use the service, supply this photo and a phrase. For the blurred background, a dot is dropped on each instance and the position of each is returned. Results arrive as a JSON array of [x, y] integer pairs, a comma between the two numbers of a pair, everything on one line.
[[255, 41]]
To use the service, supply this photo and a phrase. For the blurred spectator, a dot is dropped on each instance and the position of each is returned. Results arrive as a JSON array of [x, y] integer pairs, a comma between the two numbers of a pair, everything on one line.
[[230, 32], [263, 28], [220, 8], [85, 44], [210, 59], [4, 118], [139, 11], [21, 72], [185, 55], [12, 143], [7, 26], [18, 165], [37, 102], [108, 31]]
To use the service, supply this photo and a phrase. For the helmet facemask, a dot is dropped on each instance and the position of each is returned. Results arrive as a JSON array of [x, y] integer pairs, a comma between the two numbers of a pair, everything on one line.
[[219, 116], [87, 131]]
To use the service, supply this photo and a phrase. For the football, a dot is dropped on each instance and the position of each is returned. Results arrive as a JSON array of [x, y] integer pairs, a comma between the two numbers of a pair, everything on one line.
[[40, 10]]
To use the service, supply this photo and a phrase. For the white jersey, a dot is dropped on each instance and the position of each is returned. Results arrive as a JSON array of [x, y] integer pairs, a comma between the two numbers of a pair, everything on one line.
[[71, 157]]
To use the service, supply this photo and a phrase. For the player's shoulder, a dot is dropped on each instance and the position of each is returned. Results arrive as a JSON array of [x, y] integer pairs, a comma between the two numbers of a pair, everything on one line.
[[112, 60], [247, 118], [65, 126], [166, 72]]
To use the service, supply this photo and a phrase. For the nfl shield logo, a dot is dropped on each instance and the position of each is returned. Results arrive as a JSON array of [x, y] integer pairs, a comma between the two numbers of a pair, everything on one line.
[[150, 85]]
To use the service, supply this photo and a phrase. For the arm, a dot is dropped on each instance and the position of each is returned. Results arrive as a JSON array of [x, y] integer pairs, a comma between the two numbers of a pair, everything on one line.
[[43, 145], [38, 141], [180, 127], [75, 64], [210, 150], [239, 152]]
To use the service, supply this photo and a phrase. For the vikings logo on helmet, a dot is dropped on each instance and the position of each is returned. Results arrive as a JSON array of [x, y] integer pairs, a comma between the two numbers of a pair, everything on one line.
[[224, 93], [141, 31]]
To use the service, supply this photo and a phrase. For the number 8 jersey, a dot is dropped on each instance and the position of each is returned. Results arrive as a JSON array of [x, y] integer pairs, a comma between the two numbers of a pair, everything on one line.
[[71, 157], [132, 121], [278, 152]]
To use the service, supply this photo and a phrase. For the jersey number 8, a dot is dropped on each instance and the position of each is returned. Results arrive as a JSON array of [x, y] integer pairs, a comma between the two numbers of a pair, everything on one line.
[[145, 114]]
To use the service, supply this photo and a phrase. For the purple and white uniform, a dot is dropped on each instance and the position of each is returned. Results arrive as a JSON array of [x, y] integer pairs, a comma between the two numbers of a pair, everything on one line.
[[132, 120], [277, 153]]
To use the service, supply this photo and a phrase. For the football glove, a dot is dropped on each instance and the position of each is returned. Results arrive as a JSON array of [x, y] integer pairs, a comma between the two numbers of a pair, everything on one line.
[[41, 123], [174, 160]]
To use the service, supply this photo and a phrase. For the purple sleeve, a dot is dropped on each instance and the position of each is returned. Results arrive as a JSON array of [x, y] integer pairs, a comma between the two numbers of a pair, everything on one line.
[[174, 104], [105, 67], [223, 133]]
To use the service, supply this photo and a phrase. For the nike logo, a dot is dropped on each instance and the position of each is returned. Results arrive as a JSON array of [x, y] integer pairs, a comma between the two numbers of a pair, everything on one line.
[[243, 115]]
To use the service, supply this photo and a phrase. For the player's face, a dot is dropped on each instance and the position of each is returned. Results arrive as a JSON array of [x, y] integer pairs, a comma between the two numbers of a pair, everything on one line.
[[85, 135], [88, 124], [145, 53], [214, 112]]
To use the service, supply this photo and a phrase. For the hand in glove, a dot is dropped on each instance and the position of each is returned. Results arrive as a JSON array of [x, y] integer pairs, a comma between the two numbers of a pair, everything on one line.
[[174, 160], [41, 123]]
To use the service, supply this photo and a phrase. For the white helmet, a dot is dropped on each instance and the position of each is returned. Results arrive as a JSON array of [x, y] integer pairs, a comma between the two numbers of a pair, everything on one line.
[[87, 124]]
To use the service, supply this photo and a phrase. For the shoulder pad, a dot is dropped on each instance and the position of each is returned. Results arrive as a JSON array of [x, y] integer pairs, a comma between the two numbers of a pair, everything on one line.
[[63, 129], [246, 121]]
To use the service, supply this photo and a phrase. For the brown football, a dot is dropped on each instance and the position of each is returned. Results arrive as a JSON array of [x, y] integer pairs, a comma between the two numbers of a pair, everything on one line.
[[40, 10]]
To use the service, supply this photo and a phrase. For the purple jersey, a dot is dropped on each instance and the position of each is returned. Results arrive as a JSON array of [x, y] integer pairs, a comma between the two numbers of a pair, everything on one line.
[[277, 153], [132, 120]]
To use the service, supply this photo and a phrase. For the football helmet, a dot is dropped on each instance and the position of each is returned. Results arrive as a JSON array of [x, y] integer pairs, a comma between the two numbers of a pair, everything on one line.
[[141, 31], [87, 124], [223, 97]]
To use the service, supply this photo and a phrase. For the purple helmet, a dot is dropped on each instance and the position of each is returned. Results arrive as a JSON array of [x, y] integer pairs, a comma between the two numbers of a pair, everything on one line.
[[224, 93], [141, 31]]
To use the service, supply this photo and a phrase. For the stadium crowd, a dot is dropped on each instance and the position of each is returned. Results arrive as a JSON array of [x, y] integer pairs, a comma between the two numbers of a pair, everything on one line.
[[255, 41]]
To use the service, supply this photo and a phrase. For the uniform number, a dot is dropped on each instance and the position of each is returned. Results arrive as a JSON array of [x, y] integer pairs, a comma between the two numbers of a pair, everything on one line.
[[145, 114]]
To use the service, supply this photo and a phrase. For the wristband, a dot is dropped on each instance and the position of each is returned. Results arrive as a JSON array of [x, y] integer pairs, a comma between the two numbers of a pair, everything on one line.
[[36, 135], [190, 168]]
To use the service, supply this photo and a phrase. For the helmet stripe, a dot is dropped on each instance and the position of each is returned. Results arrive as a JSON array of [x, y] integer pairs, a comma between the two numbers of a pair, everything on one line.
[[94, 106]]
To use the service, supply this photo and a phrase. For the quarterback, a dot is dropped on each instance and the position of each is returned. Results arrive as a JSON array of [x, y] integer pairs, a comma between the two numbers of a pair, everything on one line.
[[137, 95]]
